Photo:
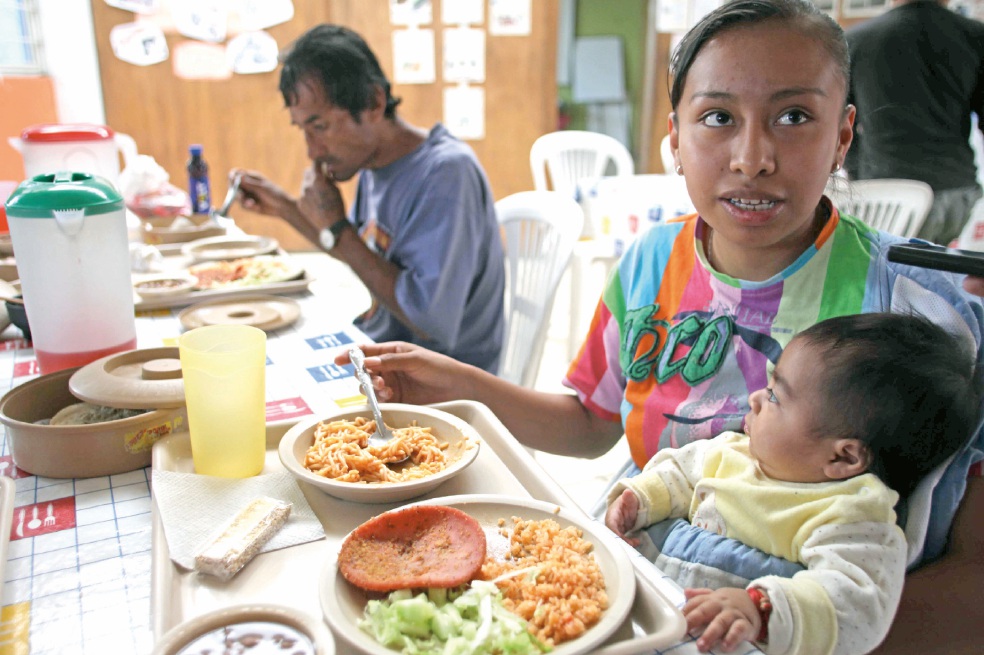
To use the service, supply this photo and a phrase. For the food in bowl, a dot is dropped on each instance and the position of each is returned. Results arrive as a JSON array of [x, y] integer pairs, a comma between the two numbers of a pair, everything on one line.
[[87, 414], [419, 546], [341, 451], [254, 636]]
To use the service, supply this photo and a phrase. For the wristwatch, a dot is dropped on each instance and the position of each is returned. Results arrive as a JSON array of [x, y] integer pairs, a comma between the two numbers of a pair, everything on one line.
[[328, 237]]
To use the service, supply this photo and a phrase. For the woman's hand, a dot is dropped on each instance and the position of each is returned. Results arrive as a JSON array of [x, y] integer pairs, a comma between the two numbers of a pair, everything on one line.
[[729, 614], [406, 373], [621, 515]]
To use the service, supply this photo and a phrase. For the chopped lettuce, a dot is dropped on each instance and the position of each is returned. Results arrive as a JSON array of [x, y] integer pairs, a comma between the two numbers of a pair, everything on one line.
[[450, 622]]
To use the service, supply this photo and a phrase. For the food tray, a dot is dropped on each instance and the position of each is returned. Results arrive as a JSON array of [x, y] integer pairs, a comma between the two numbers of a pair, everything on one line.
[[7, 491], [291, 576], [192, 297]]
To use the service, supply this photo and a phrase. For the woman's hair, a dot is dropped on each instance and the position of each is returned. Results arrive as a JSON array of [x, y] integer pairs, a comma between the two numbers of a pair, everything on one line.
[[903, 385], [342, 61], [801, 14]]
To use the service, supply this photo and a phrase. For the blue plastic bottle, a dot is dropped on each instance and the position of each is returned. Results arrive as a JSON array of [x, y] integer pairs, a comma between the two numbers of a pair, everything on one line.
[[198, 187]]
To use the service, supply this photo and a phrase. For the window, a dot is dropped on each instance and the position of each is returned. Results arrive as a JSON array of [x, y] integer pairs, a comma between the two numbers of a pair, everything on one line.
[[20, 38]]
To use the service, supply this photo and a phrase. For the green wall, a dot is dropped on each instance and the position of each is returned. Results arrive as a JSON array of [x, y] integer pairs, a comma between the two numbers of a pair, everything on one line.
[[623, 18]]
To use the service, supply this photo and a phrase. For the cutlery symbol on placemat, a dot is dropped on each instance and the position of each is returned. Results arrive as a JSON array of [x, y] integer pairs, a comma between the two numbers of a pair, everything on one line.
[[20, 525], [50, 519], [35, 522]]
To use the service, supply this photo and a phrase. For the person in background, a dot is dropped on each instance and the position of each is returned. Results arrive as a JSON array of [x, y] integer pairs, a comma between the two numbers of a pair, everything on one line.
[[421, 233], [917, 74], [697, 311], [859, 409]]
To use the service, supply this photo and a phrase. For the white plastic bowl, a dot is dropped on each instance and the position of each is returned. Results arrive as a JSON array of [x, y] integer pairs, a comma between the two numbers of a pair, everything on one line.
[[463, 444]]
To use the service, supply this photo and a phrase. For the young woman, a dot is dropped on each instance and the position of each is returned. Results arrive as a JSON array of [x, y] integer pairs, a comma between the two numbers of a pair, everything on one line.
[[698, 310]]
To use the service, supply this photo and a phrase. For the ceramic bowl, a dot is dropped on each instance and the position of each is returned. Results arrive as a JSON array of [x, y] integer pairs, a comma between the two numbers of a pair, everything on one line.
[[77, 451], [160, 286], [463, 445], [286, 621]]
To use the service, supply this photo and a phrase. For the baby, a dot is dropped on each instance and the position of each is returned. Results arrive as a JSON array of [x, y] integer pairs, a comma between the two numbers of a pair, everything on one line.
[[792, 538]]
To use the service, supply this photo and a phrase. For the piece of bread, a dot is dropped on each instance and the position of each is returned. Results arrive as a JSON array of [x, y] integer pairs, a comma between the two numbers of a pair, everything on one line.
[[241, 539]]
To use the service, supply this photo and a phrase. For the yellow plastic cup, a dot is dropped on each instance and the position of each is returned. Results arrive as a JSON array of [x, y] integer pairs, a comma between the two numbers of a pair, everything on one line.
[[224, 369]]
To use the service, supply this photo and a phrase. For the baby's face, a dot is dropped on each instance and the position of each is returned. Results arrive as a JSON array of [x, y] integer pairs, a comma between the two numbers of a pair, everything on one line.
[[785, 423]]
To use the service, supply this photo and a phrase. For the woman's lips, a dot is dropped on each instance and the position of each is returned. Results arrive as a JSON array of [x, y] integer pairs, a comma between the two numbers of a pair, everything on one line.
[[751, 211]]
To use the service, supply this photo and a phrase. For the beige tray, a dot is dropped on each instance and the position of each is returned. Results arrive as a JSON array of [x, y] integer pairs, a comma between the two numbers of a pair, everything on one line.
[[290, 576], [192, 297]]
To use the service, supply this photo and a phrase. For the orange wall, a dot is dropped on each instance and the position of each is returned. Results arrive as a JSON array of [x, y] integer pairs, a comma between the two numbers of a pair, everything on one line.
[[25, 101]]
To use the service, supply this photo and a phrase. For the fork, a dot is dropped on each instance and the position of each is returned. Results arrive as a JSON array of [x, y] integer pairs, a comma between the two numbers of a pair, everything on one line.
[[50, 519]]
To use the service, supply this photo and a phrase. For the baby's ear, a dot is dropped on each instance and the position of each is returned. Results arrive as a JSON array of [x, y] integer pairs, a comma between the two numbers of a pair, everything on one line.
[[848, 458]]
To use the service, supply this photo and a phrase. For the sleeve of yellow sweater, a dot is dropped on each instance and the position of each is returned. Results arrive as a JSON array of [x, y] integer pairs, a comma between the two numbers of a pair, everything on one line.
[[665, 488], [845, 601]]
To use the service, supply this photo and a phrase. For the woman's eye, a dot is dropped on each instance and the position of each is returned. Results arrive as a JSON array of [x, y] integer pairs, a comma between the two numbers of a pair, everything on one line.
[[716, 119], [793, 117], [772, 395]]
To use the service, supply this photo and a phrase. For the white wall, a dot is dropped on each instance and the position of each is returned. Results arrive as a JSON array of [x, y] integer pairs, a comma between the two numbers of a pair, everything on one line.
[[70, 53]]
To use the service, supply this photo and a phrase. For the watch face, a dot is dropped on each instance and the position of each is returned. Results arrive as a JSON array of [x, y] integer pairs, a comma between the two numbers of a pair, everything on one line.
[[327, 239]]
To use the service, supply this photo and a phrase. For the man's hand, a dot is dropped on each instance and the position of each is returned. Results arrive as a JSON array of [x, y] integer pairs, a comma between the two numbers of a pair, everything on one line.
[[258, 194], [729, 614], [321, 201], [621, 515]]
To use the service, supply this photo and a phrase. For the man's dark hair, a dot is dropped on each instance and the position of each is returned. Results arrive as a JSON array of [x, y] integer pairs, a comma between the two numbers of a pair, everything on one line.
[[342, 61], [901, 384], [801, 14]]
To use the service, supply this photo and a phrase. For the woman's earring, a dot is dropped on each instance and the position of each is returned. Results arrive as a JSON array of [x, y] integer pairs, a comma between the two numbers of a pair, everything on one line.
[[679, 169], [836, 167]]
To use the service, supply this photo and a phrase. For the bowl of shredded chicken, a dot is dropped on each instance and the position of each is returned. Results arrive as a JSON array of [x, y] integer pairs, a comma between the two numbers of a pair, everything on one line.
[[429, 447]]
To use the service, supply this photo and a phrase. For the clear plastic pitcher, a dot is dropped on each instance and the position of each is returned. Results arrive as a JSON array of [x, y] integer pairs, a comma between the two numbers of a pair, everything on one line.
[[70, 242]]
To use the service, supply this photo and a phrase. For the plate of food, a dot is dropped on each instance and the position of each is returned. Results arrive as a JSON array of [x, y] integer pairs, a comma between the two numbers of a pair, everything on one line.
[[229, 247], [546, 578], [244, 272], [332, 452]]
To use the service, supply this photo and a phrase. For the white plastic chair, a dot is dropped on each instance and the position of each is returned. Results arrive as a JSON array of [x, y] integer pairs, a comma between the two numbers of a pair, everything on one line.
[[539, 229], [573, 157], [570, 156], [891, 205]]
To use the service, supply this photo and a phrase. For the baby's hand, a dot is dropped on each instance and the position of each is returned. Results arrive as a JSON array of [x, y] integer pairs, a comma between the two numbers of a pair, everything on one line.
[[621, 515], [729, 614]]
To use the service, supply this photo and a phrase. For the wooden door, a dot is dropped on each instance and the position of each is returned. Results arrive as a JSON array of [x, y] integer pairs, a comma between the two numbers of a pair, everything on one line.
[[241, 121]]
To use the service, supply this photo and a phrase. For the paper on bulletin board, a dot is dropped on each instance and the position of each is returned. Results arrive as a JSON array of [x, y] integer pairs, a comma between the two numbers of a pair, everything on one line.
[[205, 20], [509, 17], [700, 8], [141, 44], [194, 60], [464, 111], [136, 6], [462, 12], [413, 56], [464, 55], [257, 15], [411, 12], [671, 15], [252, 52]]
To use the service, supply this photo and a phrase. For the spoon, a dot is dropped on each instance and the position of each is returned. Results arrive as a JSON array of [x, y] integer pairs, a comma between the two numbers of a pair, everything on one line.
[[229, 198], [382, 435]]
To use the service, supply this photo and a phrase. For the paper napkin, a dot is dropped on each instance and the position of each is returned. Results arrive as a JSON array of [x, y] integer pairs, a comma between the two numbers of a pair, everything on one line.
[[193, 508]]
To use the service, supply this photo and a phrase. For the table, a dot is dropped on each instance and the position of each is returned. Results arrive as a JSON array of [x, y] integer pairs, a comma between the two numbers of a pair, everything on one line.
[[82, 582]]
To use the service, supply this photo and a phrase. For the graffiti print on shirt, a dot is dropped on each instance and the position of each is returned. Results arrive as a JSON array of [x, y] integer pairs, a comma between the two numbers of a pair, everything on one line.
[[693, 347]]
